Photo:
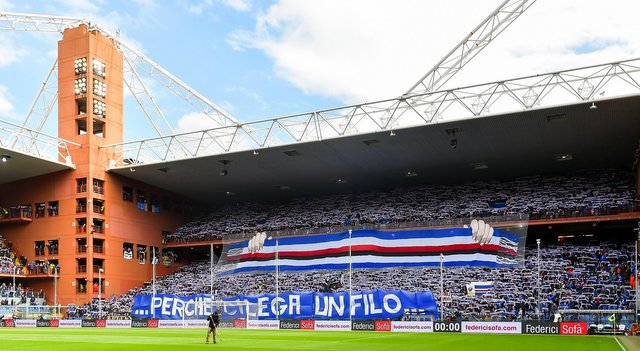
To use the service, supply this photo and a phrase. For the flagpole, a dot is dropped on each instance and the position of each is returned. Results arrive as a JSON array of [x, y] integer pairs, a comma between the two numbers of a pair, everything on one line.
[[636, 272], [538, 282], [350, 273], [153, 281], [55, 287], [211, 270], [612, 318], [441, 285], [13, 276], [277, 284]]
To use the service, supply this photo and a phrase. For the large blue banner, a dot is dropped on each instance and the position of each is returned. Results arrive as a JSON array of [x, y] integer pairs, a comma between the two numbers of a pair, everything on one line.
[[169, 306], [368, 304]]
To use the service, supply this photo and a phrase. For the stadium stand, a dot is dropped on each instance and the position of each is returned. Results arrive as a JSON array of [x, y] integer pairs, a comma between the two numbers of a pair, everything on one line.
[[10, 263], [587, 276], [10, 260], [585, 193], [584, 276]]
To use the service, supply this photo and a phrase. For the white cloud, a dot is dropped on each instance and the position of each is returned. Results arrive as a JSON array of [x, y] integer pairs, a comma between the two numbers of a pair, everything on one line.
[[82, 6], [6, 5], [146, 3], [198, 8], [194, 121], [238, 5], [104, 14], [364, 50], [574, 34], [9, 51], [6, 106], [335, 48]]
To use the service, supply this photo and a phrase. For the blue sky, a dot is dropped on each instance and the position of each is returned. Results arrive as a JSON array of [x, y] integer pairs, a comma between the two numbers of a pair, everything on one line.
[[261, 59]]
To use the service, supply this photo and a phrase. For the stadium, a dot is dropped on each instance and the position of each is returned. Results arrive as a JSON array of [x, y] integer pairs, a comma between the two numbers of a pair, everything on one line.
[[507, 211]]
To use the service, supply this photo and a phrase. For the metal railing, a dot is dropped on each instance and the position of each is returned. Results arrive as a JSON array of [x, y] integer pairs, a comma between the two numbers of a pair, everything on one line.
[[16, 212], [98, 190], [98, 208], [32, 142]]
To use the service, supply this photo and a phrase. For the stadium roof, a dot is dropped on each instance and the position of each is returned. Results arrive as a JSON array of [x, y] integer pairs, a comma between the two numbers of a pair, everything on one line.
[[22, 166], [551, 140], [543, 141]]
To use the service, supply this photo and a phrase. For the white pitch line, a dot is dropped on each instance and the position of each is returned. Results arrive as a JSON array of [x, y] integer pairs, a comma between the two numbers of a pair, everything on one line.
[[618, 341]]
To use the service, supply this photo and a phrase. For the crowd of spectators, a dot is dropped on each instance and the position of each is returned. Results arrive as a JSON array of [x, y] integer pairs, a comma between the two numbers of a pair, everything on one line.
[[576, 276], [19, 296], [7, 256], [11, 263], [585, 193]]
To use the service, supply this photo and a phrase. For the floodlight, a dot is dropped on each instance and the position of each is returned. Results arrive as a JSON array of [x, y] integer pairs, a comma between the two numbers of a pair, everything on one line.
[[99, 88], [80, 65], [99, 68], [80, 86], [99, 108]]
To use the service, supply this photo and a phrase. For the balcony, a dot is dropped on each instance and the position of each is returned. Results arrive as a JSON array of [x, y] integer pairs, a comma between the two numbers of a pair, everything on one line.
[[96, 269], [98, 189], [16, 214], [98, 249], [82, 268], [98, 208], [20, 211], [53, 210]]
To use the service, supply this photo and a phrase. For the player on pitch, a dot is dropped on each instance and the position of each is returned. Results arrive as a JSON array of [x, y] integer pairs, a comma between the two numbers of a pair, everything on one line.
[[214, 320]]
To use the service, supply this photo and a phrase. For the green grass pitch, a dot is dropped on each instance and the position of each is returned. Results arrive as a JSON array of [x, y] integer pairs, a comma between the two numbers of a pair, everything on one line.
[[49, 339]]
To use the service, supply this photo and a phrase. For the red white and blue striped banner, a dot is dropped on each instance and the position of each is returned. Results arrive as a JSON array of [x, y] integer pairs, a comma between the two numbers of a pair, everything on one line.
[[479, 288], [374, 249]]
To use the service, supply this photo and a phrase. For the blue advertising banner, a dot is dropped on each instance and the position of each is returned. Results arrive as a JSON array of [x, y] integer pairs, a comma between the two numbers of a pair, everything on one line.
[[368, 304], [169, 306]]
